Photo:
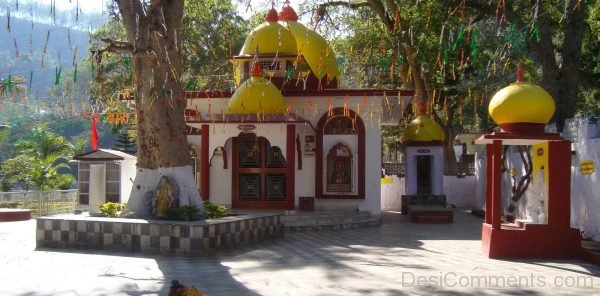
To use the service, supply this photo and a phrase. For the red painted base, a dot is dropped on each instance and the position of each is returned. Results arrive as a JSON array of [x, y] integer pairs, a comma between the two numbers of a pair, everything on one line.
[[591, 252], [591, 257], [430, 215], [531, 241], [10, 215]]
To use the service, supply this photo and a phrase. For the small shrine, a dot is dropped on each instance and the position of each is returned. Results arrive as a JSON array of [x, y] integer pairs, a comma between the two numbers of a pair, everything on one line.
[[424, 182], [522, 110]]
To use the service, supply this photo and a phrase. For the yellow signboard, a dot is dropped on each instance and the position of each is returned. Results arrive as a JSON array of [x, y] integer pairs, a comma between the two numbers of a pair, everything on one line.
[[586, 167], [387, 180]]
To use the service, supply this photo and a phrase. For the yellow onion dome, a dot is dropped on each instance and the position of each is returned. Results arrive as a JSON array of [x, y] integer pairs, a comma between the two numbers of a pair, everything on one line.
[[270, 37], [257, 95], [521, 107], [316, 51], [423, 128]]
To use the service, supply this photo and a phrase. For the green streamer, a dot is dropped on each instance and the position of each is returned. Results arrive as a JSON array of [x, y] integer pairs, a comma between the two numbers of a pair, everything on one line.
[[535, 32], [459, 39], [57, 76], [9, 84], [446, 57], [191, 85], [127, 63], [75, 74], [474, 45], [30, 78]]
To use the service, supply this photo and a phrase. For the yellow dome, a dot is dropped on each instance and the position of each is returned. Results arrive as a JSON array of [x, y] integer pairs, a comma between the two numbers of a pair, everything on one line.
[[257, 95], [423, 129], [270, 37], [316, 51], [521, 102]]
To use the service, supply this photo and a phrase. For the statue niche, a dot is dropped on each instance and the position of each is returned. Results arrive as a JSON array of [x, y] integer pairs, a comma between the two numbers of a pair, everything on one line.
[[339, 169]]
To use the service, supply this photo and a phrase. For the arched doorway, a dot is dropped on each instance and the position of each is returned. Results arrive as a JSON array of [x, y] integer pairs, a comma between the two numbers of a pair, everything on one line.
[[340, 144]]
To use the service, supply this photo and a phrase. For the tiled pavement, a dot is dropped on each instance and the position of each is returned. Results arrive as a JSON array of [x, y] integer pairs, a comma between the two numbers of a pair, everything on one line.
[[396, 258]]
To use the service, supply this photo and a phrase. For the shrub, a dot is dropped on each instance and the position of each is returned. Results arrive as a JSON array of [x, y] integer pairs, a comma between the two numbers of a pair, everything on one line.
[[112, 209], [214, 211], [186, 213]]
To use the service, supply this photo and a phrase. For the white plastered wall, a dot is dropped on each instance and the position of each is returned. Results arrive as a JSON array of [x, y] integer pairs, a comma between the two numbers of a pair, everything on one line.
[[128, 172], [437, 168]]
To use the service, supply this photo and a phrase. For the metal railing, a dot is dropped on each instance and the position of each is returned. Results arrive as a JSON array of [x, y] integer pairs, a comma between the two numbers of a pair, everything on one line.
[[42, 203]]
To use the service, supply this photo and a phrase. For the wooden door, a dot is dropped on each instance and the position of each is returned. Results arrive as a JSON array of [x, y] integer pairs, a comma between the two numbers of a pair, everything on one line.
[[259, 174]]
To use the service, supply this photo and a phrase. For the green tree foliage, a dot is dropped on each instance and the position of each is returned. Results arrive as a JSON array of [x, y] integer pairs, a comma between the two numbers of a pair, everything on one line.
[[457, 54], [40, 161]]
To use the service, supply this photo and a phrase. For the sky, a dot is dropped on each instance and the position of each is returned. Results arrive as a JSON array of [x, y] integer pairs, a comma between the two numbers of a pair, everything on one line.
[[100, 5], [85, 5]]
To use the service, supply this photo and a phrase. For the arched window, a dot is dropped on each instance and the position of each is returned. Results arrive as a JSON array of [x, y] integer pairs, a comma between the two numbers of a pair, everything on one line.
[[340, 125], [339, 168]]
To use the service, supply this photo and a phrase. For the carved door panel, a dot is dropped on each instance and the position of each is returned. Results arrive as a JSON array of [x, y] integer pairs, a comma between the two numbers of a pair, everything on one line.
[[259, 174]]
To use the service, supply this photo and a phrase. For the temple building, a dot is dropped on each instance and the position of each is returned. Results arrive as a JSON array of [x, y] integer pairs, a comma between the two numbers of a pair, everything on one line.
[[289, 137]]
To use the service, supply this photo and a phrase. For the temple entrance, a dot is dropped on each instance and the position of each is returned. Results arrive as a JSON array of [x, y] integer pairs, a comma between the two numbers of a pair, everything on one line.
[[424, 174], [259, 174]]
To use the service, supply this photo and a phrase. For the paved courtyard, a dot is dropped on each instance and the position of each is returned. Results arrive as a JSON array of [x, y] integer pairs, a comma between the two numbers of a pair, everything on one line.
[[397, 258]]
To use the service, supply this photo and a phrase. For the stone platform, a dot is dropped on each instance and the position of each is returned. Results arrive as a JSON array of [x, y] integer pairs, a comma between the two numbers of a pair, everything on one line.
[[194, 238]]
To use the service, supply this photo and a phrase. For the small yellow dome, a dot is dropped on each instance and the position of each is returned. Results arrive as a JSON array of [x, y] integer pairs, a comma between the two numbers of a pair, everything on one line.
[[270, 37], [423, 129], [521, 102], [257, 95], [316, 51]]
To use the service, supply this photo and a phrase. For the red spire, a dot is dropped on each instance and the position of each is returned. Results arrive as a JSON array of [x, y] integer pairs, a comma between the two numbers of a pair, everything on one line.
[[520, 72], [257, 70], [288, 13], [272, 16], [422, 106]]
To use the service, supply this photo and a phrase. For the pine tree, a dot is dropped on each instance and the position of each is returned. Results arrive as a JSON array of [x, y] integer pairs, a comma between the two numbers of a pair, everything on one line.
[[125, 143]]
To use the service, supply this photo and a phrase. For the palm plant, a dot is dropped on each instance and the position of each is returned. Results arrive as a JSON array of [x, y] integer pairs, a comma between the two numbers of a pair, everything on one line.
[[39, 161]]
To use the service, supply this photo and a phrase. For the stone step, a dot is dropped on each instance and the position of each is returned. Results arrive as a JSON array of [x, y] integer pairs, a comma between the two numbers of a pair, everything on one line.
[[333, 225], [323, 215]]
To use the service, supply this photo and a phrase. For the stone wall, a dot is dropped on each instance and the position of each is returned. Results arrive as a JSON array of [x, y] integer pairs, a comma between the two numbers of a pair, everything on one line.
[[195, 238]]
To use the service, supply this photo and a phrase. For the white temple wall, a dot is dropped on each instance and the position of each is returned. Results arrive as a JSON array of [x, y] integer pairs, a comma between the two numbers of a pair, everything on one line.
[[437, 168], [372, 201], [585, 195]]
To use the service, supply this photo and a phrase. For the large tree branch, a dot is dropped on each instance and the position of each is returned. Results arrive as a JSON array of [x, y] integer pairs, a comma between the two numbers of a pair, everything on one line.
[[132, 14]]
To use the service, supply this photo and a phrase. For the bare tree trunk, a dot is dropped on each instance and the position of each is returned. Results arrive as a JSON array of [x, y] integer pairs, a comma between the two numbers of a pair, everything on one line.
[[152, 31], [561, 80], [571, 55]]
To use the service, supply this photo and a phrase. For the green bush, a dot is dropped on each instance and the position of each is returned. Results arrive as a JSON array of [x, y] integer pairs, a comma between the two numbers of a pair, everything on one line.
[[112, 209], [184, 213], [12, 205], [214, 211]]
